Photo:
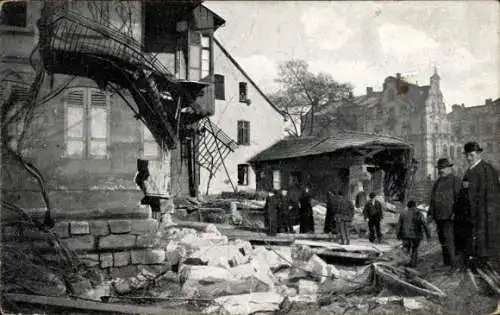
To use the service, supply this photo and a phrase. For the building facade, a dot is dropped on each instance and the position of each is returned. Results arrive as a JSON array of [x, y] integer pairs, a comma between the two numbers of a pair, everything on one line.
[[477, 123], [89, 128], [245, 114]]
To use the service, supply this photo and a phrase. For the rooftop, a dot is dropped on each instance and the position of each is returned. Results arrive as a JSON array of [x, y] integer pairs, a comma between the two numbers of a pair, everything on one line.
[[308, 146]]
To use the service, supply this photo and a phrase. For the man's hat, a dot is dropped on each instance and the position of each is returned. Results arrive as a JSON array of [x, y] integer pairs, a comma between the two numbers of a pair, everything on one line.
[[443, 163], [472, 147]]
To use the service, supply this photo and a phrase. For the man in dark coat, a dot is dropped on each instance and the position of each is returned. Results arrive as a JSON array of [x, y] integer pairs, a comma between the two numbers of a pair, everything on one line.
[[411, 229], [306, 212], [481, 207], [444, 197], [343, 213], [294, 195], [271, 214], [285, 224], [331, 202], [374, 214]]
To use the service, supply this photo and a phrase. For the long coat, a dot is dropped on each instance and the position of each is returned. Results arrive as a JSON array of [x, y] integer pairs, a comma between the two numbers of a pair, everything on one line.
[[343, 210], [331, 200], [271, 215], [306, 214], [481, 209], [444, 197], [284, 207]]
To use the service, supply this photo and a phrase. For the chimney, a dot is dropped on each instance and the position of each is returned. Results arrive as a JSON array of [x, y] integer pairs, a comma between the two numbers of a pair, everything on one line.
[[488, 101], [398, 76], [369, 91]]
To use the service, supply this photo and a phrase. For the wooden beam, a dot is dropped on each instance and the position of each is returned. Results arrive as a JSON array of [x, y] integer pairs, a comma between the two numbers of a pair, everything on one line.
[[83, 304]]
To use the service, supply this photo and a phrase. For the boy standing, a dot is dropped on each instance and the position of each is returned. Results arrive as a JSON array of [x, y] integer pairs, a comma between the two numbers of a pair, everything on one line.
[[411, 227], [374, 213]]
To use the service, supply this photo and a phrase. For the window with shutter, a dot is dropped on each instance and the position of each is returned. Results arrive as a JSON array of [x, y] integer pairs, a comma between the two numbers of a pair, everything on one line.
[[75, 126], [219, 87], [98, 101], [87, 121]]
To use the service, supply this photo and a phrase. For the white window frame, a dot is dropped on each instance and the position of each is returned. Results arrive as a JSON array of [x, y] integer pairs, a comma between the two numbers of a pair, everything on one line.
[[87, 132]]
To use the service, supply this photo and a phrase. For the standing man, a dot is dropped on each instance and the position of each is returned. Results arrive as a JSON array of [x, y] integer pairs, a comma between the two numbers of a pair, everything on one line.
[[374, 214], [271, 214], [284, 209], [411, 229], [442, 208], [481, 207], [343, 214], [306, 212], [331, 204]]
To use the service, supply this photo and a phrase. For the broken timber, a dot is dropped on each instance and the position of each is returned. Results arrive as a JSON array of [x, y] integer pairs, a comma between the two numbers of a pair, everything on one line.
[[83, 304]]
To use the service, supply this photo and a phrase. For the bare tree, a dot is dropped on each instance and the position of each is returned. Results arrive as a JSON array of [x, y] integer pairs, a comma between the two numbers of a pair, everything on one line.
[[303, 93]]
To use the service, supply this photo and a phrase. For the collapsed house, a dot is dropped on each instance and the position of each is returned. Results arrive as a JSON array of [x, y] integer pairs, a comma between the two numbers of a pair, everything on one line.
[[87, 89], [110, 82], [343, 162]]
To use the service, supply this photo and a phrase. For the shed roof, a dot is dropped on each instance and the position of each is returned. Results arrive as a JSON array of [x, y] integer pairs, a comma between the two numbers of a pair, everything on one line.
[[292, 148]]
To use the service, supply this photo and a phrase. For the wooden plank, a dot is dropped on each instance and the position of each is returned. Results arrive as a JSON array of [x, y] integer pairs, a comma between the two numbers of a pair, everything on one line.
[[83, 304], [339, 254], [348, 248]]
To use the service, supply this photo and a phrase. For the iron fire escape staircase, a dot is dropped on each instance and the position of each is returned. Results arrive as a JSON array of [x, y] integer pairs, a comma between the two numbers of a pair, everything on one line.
[[75, 45], [213, 146]]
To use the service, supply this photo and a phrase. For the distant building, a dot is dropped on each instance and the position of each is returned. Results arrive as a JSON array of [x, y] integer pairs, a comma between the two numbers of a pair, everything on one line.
[[245, 114], [479, 123]]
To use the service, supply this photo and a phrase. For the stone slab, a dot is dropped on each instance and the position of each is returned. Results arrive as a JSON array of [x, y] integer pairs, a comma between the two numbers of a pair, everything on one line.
[[120, 226], [121, 259], [79, 227], [148, 256], [117, 241]]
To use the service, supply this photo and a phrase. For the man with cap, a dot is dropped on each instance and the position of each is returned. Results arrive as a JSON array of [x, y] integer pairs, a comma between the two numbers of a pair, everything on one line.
[[444, 197], [480, 207]]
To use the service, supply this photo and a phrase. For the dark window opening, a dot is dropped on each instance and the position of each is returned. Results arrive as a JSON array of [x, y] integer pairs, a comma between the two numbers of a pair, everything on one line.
[[219, 87], [243, 132], [13, 13], [243, 174], [243, 92]]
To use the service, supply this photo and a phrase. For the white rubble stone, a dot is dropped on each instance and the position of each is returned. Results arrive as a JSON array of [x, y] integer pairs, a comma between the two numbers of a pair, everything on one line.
[[220, 255], [174, 253], [308, 287], [414, 303], [271, 258], [208, 273], [193, 242], [254, 269], [246, 303], [304, 298], [315, 268]]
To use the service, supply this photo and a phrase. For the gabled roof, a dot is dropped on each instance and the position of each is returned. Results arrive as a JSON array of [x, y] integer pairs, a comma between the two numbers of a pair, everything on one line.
[[308, 146], [238, 66]]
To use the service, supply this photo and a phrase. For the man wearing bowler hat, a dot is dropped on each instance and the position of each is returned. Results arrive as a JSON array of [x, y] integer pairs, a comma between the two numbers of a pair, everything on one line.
[[442, 208], [480, 207]]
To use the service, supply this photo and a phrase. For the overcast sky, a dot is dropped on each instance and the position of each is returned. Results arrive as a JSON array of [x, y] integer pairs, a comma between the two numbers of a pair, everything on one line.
[[364, 42]]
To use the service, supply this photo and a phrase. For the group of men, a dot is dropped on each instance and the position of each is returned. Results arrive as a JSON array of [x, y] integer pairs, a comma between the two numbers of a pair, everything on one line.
[[282, 211], [467, 211]]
